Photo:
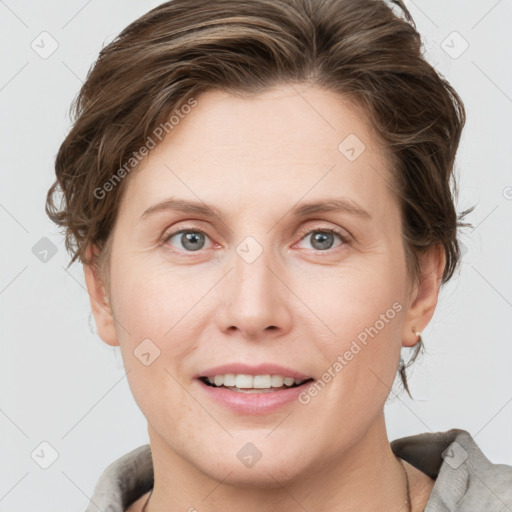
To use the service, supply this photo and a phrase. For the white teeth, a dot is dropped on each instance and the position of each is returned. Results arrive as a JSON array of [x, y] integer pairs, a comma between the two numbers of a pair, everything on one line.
[[243, 381], [277, 381], [261, 382], [229, 379]]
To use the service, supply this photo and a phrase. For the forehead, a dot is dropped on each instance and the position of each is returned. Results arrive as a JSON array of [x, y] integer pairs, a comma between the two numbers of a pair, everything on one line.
[[279, 117], [280, 145]]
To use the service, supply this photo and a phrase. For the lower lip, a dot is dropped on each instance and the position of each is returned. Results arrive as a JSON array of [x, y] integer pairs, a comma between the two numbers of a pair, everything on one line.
[[253, 403]]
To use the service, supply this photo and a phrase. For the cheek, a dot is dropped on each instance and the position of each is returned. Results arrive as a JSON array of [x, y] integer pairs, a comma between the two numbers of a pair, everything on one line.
[[356, 297], [148, 299], [163, 314], [364, 309], [153, 313]]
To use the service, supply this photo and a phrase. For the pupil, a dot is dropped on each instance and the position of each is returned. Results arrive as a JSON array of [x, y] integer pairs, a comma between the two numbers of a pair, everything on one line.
[[190, 240], [324, 240]]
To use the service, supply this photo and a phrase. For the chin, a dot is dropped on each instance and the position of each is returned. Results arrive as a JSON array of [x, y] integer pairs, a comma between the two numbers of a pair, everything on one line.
[[261, 476], [269, 466]]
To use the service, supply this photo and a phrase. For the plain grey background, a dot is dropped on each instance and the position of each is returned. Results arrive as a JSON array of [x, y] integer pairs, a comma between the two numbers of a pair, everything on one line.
[[62, 386]]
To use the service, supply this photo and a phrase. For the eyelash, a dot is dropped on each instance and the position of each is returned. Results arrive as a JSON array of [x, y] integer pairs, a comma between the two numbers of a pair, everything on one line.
[[302, 233]]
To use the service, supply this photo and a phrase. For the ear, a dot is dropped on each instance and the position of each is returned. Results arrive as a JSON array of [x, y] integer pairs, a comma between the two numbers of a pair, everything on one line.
[[100, 305], [424, 294]]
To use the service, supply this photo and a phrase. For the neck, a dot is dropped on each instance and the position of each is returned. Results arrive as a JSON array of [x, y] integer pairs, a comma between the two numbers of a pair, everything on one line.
[[366, 476]]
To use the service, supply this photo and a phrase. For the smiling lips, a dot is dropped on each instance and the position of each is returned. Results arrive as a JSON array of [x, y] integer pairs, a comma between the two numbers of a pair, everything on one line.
[[265, 376], [253, 389], [249, 383]]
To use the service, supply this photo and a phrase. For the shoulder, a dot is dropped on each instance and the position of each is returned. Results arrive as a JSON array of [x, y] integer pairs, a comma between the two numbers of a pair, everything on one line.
[[465, 478], [123, 481]]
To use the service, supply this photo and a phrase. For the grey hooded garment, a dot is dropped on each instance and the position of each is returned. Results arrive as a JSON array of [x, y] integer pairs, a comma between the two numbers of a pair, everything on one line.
[[465, 480]]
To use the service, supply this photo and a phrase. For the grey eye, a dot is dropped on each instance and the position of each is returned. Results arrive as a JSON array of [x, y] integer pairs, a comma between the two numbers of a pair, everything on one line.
[[190, 240], [321, 240]]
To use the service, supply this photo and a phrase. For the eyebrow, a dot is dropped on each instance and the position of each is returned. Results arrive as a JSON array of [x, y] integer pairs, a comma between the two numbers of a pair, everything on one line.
[[343, 204]]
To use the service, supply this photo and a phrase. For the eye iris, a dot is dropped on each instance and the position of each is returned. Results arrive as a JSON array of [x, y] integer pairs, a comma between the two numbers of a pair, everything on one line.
[[190, 240], [325, 239]]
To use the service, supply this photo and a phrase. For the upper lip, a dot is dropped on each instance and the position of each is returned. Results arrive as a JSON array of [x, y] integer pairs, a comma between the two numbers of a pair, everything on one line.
[[260, 369]]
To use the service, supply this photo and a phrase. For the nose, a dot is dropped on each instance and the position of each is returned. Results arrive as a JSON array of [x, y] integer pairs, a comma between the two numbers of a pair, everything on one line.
[[254, 301]]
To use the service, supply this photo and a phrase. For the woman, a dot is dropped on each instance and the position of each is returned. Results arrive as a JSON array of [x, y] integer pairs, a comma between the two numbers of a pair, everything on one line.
[[260, 193]]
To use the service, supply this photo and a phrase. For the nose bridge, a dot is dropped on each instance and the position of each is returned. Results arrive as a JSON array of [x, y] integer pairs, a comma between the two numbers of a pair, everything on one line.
[[253, 282], [254, 300]]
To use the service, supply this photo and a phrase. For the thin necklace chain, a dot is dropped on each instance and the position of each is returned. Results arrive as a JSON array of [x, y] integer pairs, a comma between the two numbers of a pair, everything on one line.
[[147, 501], [408, 500]]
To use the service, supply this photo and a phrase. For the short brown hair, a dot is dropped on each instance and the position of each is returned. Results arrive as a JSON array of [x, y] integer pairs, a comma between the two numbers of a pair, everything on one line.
[[359, 48]]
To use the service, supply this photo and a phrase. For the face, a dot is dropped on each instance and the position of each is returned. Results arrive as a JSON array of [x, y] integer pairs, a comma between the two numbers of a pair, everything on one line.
[[261, 281]]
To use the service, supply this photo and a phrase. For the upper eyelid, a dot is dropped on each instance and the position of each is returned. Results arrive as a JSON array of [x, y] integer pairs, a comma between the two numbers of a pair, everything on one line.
[[336, 230], [303, 229]]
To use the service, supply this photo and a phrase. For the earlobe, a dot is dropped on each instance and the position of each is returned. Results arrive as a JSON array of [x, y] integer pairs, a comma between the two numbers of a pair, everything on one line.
[[425, 294], [100, 305]]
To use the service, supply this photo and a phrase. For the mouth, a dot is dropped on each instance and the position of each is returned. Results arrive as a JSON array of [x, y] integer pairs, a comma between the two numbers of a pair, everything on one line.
[[244, 383], [256, 389]]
